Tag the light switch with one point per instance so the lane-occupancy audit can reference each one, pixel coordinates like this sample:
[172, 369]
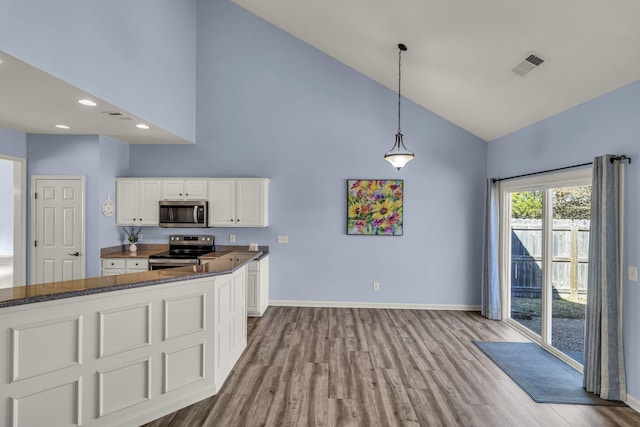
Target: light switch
[633, 273]
[283, 239]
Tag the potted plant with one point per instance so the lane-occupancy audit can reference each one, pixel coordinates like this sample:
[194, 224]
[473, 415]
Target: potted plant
[133, 237]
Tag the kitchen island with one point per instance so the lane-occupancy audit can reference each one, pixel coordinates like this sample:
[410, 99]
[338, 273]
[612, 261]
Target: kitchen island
[121, 350]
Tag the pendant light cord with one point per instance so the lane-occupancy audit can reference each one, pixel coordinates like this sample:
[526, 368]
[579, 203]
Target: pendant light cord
[399, 79]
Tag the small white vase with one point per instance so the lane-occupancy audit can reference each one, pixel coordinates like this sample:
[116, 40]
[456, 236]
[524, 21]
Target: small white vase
[133, 247]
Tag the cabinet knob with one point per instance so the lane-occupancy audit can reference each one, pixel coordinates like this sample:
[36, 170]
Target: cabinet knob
[186, 194]
[140, 219]
[180, 194]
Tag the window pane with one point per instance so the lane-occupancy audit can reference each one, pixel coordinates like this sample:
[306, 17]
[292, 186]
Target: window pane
[526, 259]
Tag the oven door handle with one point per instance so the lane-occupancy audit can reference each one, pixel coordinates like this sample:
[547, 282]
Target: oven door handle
[195, 214]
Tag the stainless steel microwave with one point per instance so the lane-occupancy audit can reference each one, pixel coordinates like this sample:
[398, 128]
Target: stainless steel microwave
[183, 213]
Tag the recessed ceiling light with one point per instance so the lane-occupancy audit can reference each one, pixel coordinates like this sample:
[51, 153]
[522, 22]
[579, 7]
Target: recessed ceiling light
[142, 126]
[87, 102]
[63, 127]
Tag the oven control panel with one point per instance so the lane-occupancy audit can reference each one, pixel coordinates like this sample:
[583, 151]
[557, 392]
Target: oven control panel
[190, 239]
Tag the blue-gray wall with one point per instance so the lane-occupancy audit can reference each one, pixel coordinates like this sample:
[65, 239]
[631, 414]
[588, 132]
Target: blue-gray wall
[271, 106]
[114, 162]
[13, 143]
[138, 55]
[608, 124]
[100, 160]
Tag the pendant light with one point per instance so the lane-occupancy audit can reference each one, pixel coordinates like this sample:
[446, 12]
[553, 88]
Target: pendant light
[399, 156]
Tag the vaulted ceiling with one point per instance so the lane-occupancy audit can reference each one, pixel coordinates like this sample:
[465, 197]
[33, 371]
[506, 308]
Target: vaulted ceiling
[461, 52]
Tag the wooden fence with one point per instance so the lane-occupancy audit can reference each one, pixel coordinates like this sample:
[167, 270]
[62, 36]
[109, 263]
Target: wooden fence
[569, 263]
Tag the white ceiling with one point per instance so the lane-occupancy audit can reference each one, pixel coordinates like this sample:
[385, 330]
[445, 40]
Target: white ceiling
[33, 101]
[460, 52]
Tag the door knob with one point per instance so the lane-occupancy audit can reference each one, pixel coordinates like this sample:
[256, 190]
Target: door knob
[75, 254]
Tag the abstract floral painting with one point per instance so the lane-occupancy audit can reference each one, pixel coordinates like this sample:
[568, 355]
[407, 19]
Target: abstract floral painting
[374, 206]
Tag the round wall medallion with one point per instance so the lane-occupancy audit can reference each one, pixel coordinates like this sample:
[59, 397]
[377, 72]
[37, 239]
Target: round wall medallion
[107, 207]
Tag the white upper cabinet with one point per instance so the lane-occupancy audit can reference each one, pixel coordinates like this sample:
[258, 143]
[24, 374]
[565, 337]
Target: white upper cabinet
[233, 202]
[184, 189]
[137, 201]
[221, 199]
[240, 202]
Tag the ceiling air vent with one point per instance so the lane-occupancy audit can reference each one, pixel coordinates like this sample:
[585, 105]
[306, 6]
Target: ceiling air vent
[528, 63]
[117, 115]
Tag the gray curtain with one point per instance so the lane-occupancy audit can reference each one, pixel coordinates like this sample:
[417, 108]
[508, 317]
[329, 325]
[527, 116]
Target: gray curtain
[604, 362]
[490, 307]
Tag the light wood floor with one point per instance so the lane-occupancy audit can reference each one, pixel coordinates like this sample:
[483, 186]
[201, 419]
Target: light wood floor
[375, 367]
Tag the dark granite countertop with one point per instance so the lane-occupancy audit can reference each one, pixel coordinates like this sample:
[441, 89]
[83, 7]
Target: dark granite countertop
[146, 250]
[223, 263]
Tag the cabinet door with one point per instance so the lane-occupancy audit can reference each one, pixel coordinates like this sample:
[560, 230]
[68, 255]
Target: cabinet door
[221, 197]
[172, 189]
[252, 292]
[127, 202]
[239, 310]
[195, 189]
[149, 196]
[250, 203]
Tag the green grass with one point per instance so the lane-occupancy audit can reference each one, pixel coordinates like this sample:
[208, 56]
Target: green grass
[562, 308]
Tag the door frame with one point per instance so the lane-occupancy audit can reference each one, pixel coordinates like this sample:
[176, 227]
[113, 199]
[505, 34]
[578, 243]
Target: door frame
[34, 209]
[539, 182]
[19, 218]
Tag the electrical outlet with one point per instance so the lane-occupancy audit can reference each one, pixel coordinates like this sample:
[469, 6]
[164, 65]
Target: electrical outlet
[283, 239]
[633, 273]
[376, 286]
[232, 238]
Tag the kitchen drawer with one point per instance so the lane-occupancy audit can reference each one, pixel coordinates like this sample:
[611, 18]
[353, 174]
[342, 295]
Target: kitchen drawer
[113, 263]
[137, 264]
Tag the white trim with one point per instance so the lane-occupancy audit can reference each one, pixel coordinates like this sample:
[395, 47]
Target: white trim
[543, 183]
[19, 218]
[20, 222]
[633, 402]
[384, 305]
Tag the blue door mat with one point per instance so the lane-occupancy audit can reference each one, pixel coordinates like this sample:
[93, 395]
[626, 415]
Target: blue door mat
[543, 376]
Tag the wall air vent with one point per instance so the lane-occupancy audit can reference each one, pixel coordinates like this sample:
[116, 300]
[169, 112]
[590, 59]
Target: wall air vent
[528, 63]
[117, 114]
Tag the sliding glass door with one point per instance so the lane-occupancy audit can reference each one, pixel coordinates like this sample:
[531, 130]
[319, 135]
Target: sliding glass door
[545, 229]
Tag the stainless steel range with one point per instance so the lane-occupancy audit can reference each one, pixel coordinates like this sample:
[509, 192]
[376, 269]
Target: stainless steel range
[183, 250]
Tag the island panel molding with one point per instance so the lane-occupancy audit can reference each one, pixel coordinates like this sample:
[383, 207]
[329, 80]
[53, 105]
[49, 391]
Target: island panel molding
[143, 363]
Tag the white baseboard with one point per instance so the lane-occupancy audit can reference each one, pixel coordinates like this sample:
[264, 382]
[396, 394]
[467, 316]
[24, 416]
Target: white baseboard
[633, 402]
[353, 304]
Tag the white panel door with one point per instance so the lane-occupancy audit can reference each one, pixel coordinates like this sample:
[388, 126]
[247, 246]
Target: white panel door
[59, 231]
[221, 196]
[249, 202]
[149, 195]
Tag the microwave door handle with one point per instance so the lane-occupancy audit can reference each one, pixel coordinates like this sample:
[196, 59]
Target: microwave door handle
[195, 214]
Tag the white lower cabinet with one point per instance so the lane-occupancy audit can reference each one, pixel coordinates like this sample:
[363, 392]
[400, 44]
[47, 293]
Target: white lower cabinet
[114, 266]
[258, 287]
[123, 357]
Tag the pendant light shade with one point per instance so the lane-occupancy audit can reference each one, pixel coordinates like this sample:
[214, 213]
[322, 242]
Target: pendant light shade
[399, 156]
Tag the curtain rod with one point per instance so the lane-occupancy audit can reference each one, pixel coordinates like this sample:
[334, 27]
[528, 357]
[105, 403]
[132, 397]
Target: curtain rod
[621, 158]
